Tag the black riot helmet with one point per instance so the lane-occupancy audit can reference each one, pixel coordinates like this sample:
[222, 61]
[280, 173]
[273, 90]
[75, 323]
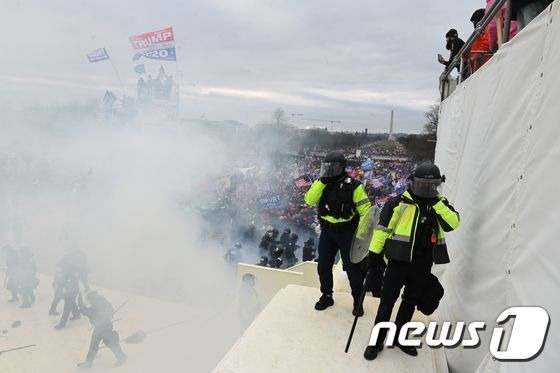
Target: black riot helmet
[426, 179]
[333, 165]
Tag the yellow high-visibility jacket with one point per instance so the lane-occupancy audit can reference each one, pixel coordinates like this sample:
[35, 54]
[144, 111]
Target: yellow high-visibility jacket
[395, 233]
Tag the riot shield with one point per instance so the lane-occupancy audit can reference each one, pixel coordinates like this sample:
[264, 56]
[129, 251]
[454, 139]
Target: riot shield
[364, 234]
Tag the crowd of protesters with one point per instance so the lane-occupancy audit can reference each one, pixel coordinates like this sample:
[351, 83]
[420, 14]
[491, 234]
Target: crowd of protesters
[258, 203]
[160, 87]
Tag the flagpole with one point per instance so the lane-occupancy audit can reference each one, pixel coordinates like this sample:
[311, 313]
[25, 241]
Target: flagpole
[118, 76]
[177, 113]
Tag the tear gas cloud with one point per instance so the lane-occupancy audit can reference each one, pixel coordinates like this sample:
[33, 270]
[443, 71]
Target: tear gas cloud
[113, 192]
[128, 194]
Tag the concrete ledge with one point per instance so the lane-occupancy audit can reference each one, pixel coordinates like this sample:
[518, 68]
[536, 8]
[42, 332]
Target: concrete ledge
[290, 336]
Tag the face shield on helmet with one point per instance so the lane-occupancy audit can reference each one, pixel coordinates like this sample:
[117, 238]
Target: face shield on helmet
[425, 188]
[330, 169]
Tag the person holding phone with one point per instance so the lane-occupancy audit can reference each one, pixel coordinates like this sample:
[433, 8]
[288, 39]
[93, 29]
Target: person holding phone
[454, 45]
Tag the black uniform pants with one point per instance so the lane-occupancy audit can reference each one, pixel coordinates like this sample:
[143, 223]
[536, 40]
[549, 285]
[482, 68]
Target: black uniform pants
[58, 296]
[70, 306]
[13, 286]
[83, 276]
[307, 254]
[111, 340]
[27, 295]
[413, 276]
[332, 240]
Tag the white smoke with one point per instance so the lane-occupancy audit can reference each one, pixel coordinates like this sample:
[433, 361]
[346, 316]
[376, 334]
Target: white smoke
[126, 193]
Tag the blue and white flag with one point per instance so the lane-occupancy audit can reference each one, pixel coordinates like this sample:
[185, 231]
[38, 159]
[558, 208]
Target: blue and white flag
[270, 201]
[140, 69]
[165, 54]
[98, 55]
[367, 165]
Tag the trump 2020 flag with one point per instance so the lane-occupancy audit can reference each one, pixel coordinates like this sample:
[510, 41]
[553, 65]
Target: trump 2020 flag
[157, 45]
[98, 55]
[140, 69]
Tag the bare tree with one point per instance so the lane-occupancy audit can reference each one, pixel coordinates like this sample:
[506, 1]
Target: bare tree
[279, 117]
[432, 117]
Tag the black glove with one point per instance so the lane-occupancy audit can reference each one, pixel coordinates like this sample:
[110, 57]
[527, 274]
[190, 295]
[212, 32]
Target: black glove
[375, 261]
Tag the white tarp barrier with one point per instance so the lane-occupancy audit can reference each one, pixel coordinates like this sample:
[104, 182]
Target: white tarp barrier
[499, 146]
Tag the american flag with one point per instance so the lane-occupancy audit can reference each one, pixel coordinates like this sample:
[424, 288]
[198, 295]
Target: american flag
[301, 182]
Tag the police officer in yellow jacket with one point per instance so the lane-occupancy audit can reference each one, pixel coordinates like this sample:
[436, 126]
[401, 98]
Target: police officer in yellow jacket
[410, 234]
[342, 202]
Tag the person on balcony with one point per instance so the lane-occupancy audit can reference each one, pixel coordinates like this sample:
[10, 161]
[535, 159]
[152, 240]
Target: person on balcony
[454, 45]
[480, 49]
[492, 28]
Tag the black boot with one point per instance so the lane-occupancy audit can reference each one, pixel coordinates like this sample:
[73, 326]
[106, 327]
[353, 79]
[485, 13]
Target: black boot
[371, 352]
[409, 350]
[324, 302]
[358, 309]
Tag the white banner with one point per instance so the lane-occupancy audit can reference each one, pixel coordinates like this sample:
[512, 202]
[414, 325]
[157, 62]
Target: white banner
[498, 145]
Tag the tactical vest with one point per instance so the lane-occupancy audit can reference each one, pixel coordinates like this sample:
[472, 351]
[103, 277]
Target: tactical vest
[404, 221]
[337, 199]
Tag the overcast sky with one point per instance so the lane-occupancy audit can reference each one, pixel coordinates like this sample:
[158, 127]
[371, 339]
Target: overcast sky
[350, 61]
